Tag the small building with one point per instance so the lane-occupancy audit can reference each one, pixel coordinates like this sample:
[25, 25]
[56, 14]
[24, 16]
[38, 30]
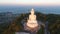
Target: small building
[21, 33]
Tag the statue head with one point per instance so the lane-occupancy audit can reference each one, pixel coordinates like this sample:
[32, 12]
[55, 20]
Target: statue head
[32, 11]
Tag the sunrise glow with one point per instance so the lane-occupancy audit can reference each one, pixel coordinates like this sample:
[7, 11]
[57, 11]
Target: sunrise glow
[31, 2]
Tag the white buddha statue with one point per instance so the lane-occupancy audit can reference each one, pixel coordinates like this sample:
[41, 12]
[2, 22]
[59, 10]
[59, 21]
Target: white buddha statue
[32, 22]
[32, 16]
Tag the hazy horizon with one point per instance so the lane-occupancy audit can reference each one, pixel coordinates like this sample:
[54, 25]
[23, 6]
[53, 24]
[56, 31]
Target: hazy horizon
[25, 9]
[43, 6]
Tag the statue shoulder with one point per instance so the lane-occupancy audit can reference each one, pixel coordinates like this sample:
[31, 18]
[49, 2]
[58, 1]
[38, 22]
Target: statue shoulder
[35, 15]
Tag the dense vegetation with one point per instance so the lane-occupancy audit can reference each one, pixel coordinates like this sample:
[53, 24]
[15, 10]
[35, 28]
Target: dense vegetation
[16, 25]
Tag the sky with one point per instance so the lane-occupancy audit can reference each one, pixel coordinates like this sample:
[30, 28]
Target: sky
[30, 2]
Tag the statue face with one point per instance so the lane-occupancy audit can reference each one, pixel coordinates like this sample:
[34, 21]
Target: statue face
[32, 12]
